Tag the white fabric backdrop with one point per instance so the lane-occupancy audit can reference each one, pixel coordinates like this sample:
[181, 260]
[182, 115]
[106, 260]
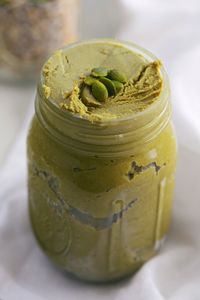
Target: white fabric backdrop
[171, 30]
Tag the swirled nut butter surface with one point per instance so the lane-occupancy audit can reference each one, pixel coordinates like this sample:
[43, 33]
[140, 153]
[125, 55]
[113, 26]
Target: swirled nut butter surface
[101, 159]
[65, 71]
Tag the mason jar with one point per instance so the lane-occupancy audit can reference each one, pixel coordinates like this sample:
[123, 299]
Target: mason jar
[100, 194]
[30, 30]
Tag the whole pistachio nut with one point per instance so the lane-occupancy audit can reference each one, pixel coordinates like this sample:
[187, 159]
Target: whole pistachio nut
[87, 97]
[99, 72]
[112, 91]
[99, 91]
[118, 85]
[114, 74]
[89, 80]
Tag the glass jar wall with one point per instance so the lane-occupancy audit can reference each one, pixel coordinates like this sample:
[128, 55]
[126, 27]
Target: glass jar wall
[100, 196]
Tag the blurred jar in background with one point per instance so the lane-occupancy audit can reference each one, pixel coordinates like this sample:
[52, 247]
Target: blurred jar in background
[31, 29]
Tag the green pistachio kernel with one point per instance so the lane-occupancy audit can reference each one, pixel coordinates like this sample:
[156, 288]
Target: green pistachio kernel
[99, 72]
[118, 76]
[87, 97]
[89, 80]
[99, 91]
[112, 91]
[118, 85]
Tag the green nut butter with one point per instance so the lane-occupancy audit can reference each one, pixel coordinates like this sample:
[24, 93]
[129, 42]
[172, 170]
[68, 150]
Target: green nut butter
[101, 173]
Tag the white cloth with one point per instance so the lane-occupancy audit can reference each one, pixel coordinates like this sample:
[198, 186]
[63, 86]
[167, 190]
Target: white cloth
[171, 30]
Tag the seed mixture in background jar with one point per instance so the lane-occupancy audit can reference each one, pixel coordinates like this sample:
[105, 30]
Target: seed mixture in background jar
[31, 29]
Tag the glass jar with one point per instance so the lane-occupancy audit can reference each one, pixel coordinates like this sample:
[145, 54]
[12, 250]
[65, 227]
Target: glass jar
[30, 30]
[100, 195]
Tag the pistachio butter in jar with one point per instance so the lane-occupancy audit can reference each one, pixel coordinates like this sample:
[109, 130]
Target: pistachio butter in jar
[101, 159]
[31, 29]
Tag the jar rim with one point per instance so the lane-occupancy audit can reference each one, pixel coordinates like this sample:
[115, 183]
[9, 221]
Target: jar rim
[137, 114]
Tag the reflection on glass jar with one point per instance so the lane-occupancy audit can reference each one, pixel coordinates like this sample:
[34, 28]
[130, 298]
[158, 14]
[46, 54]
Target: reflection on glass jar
[100, 194]
[31, 29]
